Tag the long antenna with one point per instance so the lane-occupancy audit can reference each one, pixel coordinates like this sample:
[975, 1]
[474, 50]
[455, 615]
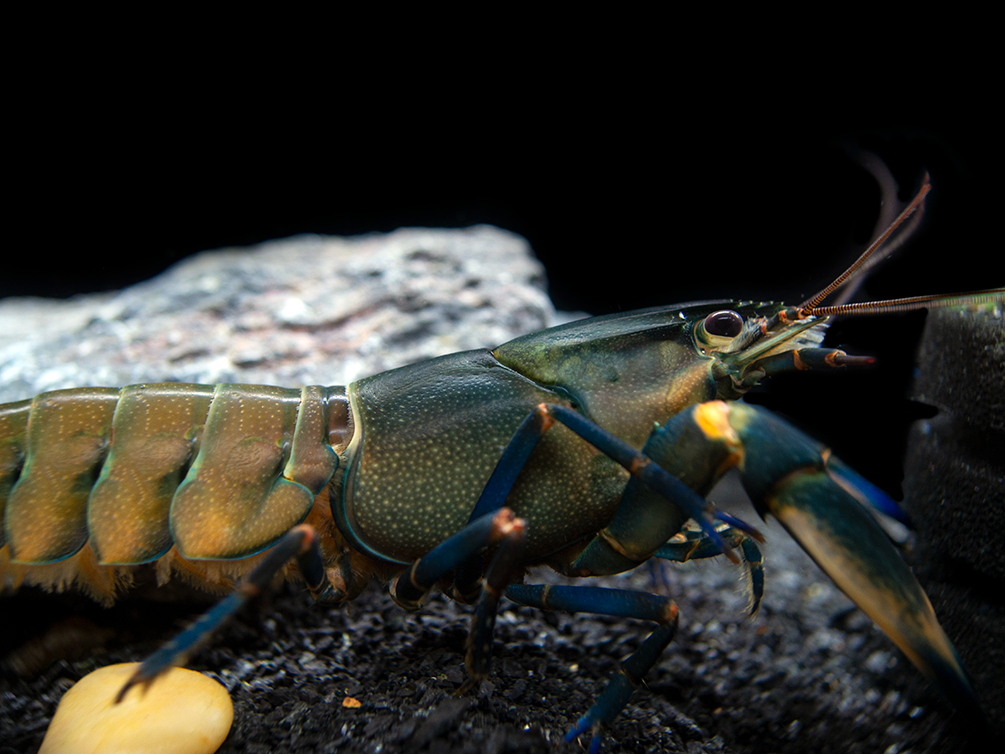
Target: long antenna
[914, 302]
[809, 306]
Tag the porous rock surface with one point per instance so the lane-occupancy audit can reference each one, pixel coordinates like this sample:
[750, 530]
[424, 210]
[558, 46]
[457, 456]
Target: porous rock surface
[955, 481]
[808, 673]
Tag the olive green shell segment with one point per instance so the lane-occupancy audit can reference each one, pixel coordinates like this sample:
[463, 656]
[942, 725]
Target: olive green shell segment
[312, 461]
[68, 433]
[235, 500]
[155, 431]
[428, 437]
[13, 436]
[625, 371]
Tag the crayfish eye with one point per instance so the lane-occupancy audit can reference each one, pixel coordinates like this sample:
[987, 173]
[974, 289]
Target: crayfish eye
[718, 331]
[724, 324]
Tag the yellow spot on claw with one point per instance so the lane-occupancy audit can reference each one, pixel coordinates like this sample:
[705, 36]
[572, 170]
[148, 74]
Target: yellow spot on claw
[182, 712]
[713, 419]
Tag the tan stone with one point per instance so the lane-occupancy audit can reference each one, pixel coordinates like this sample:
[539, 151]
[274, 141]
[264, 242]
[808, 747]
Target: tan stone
[182, 712]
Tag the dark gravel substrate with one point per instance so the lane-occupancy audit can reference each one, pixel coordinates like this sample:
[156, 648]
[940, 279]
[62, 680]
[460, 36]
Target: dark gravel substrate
[809, 673]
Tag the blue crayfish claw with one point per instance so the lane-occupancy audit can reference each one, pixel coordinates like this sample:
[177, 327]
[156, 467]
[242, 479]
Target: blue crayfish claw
[786, 474]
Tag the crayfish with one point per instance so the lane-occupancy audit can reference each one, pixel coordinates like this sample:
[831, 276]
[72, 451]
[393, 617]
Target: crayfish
[587, 447]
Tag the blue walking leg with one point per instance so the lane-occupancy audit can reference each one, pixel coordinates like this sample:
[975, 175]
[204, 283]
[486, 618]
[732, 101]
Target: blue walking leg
[615, 602]
[300, 542]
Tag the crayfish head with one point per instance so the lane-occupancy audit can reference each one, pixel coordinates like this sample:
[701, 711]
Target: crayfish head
[748, 342]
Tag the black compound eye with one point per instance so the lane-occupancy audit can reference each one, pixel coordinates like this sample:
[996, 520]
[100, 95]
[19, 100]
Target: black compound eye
[725, 323]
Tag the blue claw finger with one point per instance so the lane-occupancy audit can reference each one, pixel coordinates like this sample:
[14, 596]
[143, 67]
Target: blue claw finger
[827, 520]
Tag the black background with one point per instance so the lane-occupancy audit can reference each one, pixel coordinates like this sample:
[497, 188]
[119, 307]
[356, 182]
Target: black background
[636, 185]
[622, 219]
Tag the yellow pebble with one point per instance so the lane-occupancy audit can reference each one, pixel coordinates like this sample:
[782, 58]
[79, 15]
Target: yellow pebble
[182, 712]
